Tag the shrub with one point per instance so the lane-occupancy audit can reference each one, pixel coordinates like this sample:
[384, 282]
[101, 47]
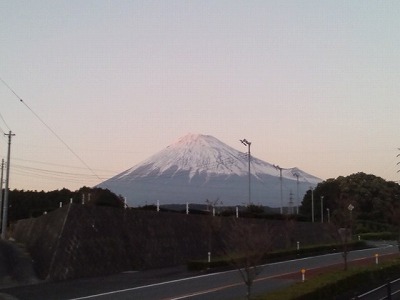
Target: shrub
[198, 265]
[377, 236]
[345, 284]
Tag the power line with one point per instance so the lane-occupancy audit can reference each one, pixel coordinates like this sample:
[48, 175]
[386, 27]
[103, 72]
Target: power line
[61, 140]
[5, 83]
[5, 123]
[56, 176]
[60, 165]
[50, 177]
[50, 129]
[56, 173]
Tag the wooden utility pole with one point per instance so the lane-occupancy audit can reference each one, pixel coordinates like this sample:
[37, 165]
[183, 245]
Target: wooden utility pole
[5, 204]
[1, 189]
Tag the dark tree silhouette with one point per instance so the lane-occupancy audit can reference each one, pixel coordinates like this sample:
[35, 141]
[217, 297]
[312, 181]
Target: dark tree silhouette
[28, 204]
[246, 244]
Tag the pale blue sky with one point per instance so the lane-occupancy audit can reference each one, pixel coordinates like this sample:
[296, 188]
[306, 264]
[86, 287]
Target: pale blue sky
[312, 84]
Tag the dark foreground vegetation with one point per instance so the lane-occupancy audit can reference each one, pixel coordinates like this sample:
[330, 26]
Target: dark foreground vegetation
[361, 206]
[274, 256]
[375, 202]
[31, 204]
[339, 284]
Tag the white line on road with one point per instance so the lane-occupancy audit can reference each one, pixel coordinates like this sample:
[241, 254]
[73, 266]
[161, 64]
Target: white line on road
[147, 286]
[205, 275]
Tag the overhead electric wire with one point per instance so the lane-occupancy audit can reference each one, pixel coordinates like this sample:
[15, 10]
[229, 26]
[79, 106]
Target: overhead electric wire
[5, 83]
[59, 165]
[38, 173]
[3, 134]
[51, 130]
[51, 177]
[4, 121]
[209, 166]
[56, 173]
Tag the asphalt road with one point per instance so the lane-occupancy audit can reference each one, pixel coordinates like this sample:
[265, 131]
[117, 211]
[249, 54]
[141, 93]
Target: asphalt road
[177, 283]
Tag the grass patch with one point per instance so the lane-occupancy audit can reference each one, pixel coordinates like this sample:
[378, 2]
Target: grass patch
[224, 262]
[380, 236]
[345, 284]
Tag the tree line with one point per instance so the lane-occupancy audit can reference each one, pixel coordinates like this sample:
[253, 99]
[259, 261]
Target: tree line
[373, 202]
[27, 204]
[376, 202]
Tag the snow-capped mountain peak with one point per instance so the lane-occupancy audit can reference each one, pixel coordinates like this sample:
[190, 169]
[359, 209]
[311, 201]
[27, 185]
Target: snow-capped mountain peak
[202, 164]
[195, 153]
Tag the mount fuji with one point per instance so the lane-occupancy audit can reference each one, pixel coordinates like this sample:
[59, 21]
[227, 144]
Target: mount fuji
[199, 168]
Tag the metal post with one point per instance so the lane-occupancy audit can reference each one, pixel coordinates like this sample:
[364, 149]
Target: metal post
[350, 208]
[249, 175]
[389, 291]
[297, 196]
[248, 144]
[322, 209]
[303, 275]
[312, 205]
[280, 178]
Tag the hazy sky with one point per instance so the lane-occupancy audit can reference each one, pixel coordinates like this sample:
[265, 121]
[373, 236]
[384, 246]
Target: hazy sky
[312, 84]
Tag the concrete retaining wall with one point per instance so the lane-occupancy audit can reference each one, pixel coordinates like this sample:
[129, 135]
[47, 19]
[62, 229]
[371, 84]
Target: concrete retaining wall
[86, 241]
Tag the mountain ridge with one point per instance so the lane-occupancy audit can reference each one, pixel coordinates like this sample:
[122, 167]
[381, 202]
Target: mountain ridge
[197, 167]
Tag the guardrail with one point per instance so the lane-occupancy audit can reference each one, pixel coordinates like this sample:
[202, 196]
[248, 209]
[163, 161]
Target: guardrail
[385, 291]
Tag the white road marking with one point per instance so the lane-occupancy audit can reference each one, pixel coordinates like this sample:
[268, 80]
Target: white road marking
[212, 274]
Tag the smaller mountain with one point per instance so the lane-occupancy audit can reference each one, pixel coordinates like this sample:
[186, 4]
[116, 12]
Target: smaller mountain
[198, 167]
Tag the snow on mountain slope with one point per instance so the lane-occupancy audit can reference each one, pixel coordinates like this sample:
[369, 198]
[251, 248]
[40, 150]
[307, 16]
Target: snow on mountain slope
[194, 153]
[198, 167]
[204, 153]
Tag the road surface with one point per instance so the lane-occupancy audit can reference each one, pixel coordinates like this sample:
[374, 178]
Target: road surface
[177, 283]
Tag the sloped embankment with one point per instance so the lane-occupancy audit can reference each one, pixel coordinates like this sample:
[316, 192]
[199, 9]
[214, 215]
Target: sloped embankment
[86, 241]
[15, 265]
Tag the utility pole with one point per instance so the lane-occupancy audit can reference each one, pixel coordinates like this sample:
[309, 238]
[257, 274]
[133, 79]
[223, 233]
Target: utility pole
[297, 196]
[5, 204]
[1, 189]
[291, 203]
[322, 209]
[312, 204]
[280, 179]
[248, 144]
